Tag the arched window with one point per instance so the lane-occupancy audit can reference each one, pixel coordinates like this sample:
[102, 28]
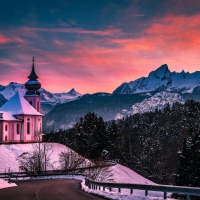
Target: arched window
[6, 127]
[40, 128]
[38, 106]
[6, 138]
[28, 125]
[17, 128]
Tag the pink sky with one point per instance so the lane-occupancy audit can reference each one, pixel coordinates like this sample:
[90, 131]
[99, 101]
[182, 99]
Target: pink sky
[100, 60]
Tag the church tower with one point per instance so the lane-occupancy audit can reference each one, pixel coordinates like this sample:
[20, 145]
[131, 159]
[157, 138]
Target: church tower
[33, 85]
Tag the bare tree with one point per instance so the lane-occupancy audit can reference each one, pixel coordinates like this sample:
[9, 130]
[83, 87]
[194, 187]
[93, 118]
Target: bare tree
[101, 172]
[70, 160]
[38, 159]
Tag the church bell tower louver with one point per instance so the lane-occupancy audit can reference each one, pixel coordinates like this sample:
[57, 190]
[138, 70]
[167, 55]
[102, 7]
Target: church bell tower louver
[33, 85]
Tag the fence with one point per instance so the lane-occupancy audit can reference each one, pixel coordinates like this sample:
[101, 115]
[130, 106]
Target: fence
[161, 188]
[80, 170]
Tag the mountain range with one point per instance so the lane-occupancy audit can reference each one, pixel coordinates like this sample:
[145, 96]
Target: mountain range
[48, 100]
[142, 95]
[162, 80]
[63, 110]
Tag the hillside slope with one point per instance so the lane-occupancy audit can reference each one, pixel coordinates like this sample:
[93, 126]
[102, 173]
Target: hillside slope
[105, 105]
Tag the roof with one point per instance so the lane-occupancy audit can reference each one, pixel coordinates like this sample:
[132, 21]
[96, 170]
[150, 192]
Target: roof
[17, 105]
[7, 116]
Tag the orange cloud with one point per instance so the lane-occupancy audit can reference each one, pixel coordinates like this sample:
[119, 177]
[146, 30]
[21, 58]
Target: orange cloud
[70, 30]
[3, 39]
[10, 39]
[94, 64]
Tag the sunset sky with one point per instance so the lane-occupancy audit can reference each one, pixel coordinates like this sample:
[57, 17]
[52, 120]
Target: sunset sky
[95, 45]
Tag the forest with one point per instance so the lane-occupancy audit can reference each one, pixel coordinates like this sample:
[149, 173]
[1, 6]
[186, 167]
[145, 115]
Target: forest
[163, 146]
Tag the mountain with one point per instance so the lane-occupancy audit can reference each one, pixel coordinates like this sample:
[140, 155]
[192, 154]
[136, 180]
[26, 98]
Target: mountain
[157, 101]
[142, 95]
[71, 95]
[2, 100]
[63, 110]
[48, 99]
[162, 79]
[65, 115]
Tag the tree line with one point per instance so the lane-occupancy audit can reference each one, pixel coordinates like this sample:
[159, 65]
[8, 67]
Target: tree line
[163, 146]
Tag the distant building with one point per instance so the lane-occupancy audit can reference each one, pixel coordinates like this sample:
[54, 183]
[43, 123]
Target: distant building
[20, 117]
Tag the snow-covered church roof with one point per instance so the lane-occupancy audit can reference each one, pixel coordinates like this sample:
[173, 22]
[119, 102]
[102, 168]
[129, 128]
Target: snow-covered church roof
[17, 105]
[7, 116]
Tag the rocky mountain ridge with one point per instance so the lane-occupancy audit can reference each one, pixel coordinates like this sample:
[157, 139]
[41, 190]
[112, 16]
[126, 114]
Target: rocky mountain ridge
[162, 79]
[48, 99]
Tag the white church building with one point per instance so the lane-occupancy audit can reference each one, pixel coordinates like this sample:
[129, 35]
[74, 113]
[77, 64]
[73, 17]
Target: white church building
[20, 117]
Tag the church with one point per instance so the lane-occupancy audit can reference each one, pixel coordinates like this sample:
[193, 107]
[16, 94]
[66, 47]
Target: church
[20, 117]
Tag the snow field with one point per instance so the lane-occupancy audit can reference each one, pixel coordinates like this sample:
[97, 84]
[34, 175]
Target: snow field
[5, 184]
[121, 174]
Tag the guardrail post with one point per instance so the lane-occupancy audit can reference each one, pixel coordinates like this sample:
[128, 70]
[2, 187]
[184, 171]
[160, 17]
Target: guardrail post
[146, 192]
[99, 187]
[119, 190]
[131, 191]
[165, 195]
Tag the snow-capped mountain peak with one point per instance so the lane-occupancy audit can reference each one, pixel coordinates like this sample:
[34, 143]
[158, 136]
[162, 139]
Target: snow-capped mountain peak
[157, 101]
[162, 79]
[73, 92]
[47, 97]
[161, 73]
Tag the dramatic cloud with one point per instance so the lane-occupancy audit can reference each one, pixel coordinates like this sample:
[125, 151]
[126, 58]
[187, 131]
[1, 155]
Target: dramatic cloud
[93, 47]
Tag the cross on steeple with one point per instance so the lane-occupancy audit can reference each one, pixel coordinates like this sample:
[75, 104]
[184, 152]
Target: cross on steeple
[33, 75]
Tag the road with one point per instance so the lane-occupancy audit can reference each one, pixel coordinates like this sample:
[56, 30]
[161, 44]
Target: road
[54, 189]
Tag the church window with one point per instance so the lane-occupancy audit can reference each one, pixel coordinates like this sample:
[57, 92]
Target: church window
[31, 102]
[28, 125]
[6, 127]
[38, 106]
[6, 138]
[17, 128]
[40, 128]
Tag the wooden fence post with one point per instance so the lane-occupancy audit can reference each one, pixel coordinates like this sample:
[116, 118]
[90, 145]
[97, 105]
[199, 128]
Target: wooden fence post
[131, 191]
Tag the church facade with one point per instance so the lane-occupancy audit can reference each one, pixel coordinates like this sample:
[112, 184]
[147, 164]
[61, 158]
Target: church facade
[20, 117]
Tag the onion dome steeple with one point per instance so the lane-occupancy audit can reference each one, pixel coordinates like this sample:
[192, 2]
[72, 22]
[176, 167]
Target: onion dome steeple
[33, 75]
[33, 85]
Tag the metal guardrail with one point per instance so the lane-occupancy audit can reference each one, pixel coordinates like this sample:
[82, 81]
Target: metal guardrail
[161, 188]
[98, 164]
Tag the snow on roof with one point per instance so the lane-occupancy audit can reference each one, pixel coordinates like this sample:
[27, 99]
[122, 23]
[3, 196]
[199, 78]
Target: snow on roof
[7, 116]
[18, 105]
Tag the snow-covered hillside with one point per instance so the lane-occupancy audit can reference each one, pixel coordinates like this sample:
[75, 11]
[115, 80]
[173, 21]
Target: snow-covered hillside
[121, 174]
[157, 101]
[162, 79]
[9, 154]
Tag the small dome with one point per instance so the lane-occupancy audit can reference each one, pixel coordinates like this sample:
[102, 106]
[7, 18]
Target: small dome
[33, 85]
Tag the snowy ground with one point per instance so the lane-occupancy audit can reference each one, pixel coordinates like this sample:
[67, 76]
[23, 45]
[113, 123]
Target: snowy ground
[121, 174]
[5, 184]
[9, 154]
